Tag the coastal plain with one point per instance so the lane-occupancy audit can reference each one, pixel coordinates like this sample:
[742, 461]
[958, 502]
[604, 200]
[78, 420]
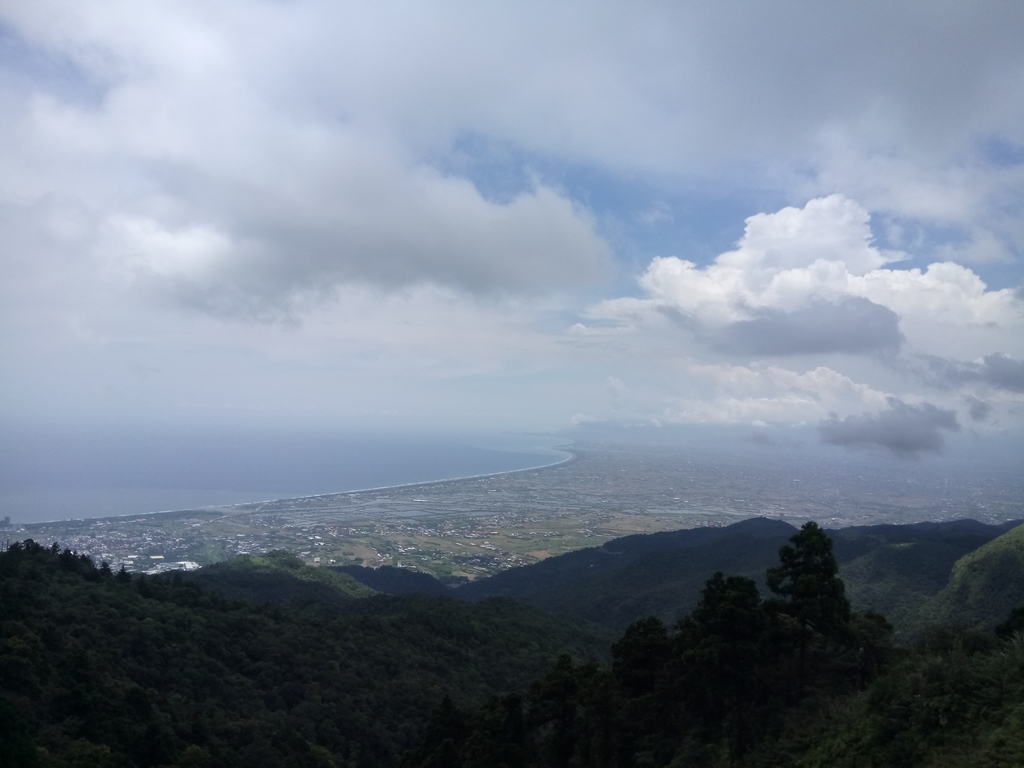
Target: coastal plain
[465, 529]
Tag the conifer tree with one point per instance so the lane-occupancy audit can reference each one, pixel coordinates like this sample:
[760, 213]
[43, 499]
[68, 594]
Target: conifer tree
[813, 594]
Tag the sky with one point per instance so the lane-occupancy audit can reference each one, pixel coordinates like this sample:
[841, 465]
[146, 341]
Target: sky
[521, 216]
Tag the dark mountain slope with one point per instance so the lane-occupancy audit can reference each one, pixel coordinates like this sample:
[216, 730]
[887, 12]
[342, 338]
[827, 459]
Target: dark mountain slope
[799, 680]
[895, 569]
[664, 583]
[658, 574]
[114, 670]
[395, 581]
[278, 577]
[954, 536]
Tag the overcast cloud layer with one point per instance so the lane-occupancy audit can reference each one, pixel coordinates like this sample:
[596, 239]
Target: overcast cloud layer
[514, 216]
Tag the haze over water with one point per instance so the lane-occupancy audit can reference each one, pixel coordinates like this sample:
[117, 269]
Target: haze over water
[51, 477]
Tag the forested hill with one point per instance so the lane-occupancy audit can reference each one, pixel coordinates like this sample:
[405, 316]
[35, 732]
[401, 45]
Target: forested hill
[278, 577]
[620, 553]
[797, 680]
[905, 571]
[982, 586]
[658, 574]
[105, 670]
[894, 569]
[394, 581]
[111, 670]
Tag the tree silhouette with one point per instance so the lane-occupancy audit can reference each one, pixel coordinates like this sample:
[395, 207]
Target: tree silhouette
[725, 654]
[813, 594]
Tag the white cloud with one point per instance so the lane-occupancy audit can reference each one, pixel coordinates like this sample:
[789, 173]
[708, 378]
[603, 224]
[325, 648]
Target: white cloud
[983, 247]
[308, 133]
[194, 162]
[295, 160]
[782, 260]
[392, 232]
[741, 394]
[970, 197]
[823, 384]
[829, 229]
[823, 252]
[143, 244]
[947, 309]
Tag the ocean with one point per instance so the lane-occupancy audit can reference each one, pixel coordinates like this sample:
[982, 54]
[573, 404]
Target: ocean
[69, 475]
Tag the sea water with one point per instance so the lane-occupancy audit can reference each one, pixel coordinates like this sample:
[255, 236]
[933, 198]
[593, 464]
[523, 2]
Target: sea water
[61, 476]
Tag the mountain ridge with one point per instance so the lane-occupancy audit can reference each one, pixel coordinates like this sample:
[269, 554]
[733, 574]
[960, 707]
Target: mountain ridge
[984, 585]
[890, 568]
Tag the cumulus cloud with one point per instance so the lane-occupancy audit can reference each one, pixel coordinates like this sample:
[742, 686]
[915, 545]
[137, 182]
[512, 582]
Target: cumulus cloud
[783, 261]
[736, 394]
[853, 325]
[906, 430]
[912, 190]
[810, 280]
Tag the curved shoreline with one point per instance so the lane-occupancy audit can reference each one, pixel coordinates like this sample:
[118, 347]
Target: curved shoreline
[228, 509]
[573, 456]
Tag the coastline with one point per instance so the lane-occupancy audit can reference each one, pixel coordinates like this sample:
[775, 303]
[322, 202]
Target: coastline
[237, 508]
[573, 456]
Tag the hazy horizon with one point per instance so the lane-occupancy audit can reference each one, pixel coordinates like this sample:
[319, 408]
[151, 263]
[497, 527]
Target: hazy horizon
[83, 474]
[57, 477]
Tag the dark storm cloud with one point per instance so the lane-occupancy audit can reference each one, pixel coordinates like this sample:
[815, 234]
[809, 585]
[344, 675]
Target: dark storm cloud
[998, 370]
[940, 372]
[1004, 372]
[760, 438]
[904, 429]
[854, 325]
[978, 409]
